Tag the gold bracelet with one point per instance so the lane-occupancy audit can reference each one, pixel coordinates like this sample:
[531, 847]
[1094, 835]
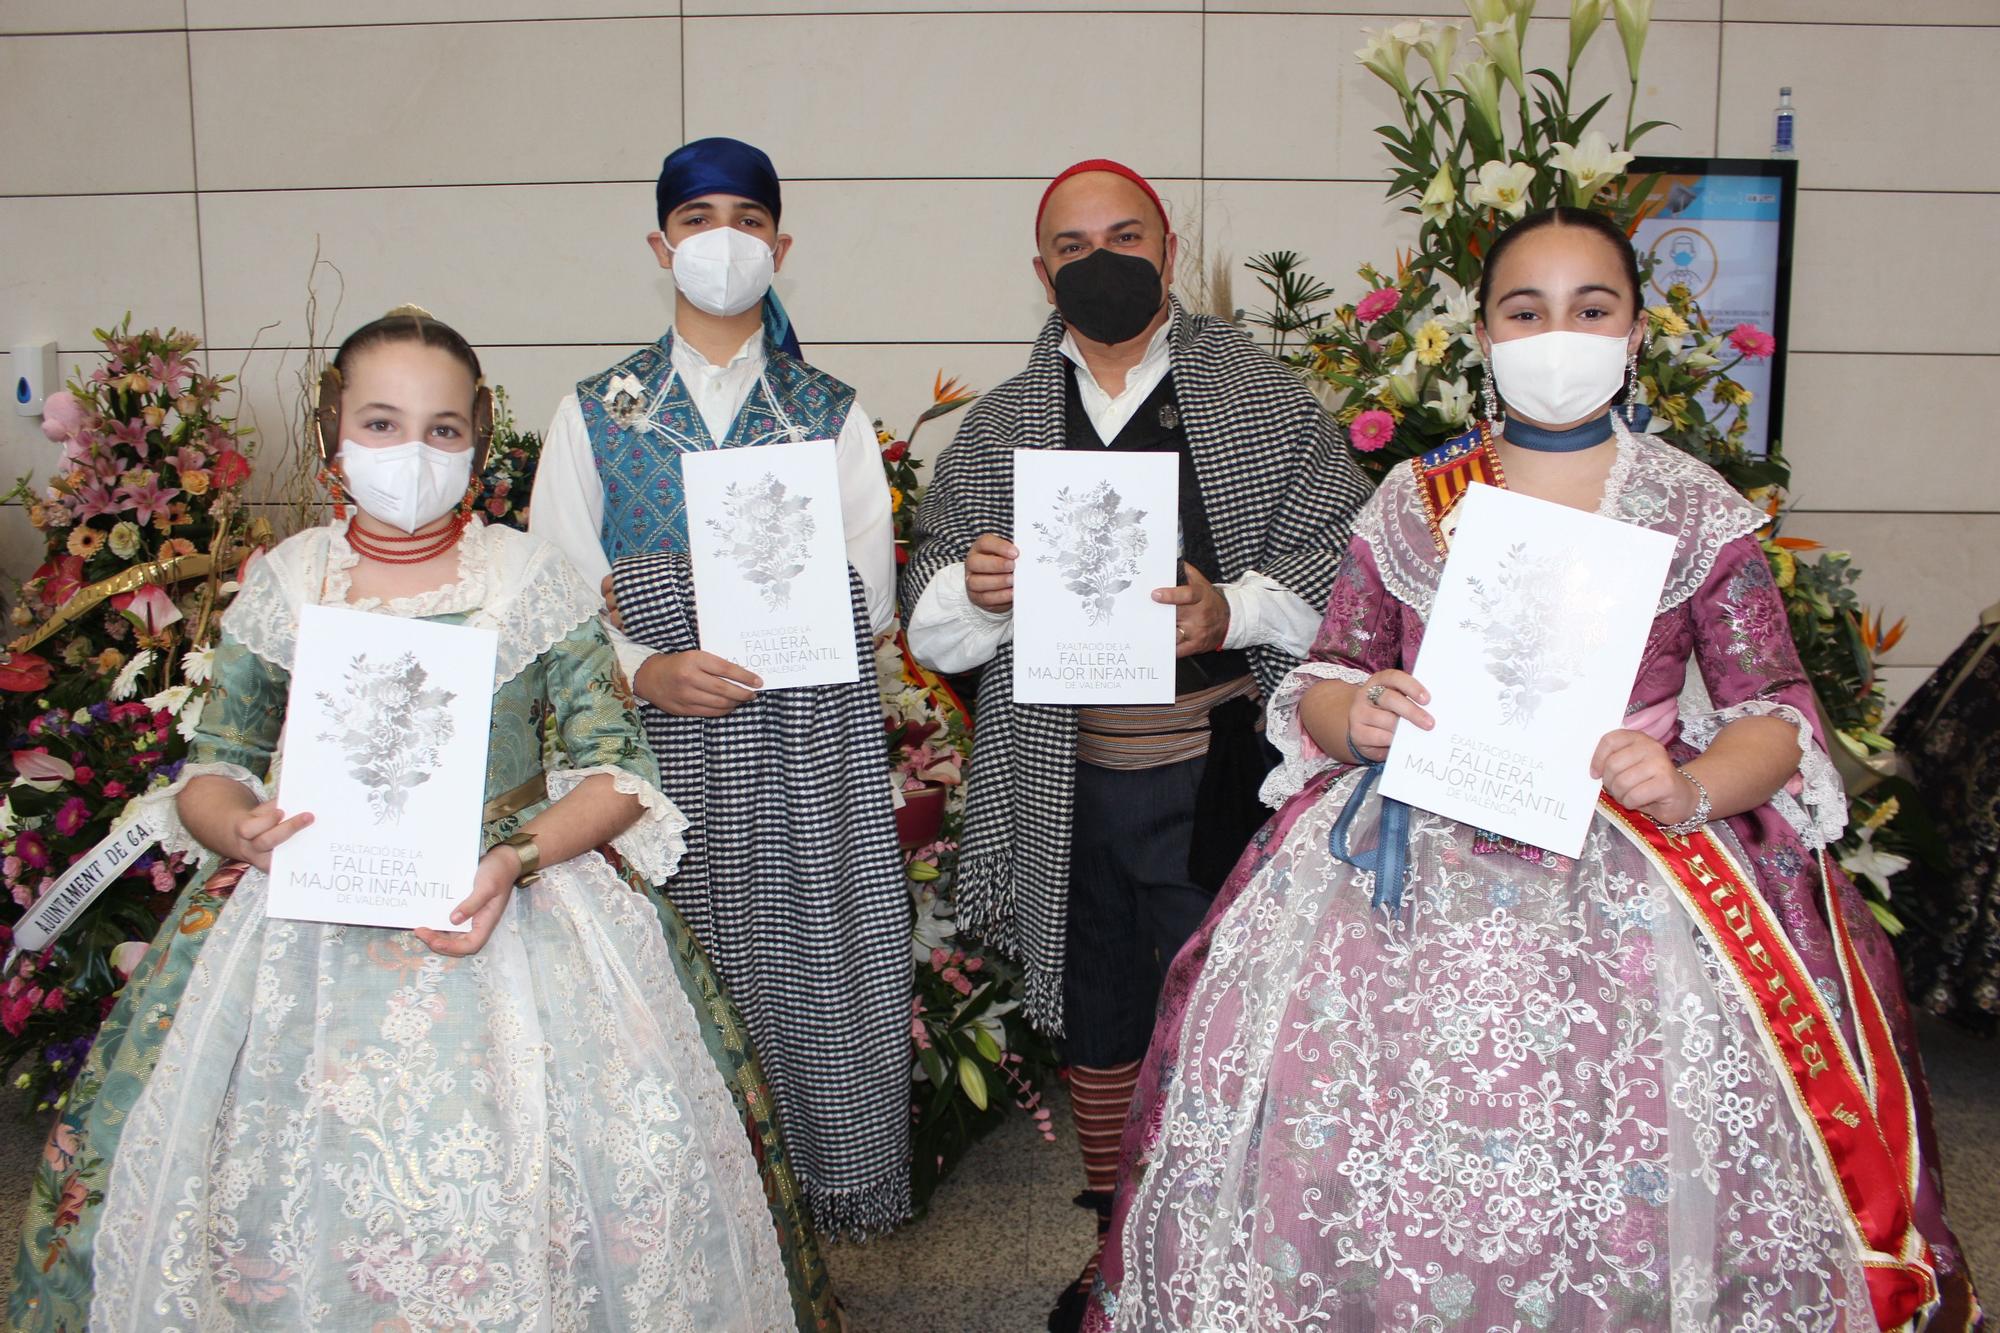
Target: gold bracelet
[523, 843]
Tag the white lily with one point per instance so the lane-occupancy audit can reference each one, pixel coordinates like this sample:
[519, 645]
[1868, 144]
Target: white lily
[1404, 379]
[1502, 46]
[1459, 311]
[1385, 56]
[1521, 11]
[1633, 18]
[989, 1021]
[931, 931]
[1438, 44]
[1873, 864]
[1585, 17]
[1481, 81]
[1502, 187]
[1702, 356]
[1590, 165]
[1440, 198]
[127, 679]
[1453, 403]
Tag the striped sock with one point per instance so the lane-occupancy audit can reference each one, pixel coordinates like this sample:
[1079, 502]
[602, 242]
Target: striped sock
[1099, 1098]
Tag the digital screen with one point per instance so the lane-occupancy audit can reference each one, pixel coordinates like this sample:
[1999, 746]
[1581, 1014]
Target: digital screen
[1726, 238]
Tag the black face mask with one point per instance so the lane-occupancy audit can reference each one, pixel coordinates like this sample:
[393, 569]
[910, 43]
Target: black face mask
[1107, 296]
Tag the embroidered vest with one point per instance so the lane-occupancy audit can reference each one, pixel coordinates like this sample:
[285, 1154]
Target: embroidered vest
[641, 419]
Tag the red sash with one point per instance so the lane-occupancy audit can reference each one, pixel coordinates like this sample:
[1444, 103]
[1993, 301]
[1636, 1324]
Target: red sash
[1865, 1119]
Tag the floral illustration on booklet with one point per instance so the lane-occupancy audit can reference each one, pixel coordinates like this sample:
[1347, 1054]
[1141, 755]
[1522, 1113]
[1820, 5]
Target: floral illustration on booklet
[768, 534]
[1532, 648]
[391, 727]
[1096, 544]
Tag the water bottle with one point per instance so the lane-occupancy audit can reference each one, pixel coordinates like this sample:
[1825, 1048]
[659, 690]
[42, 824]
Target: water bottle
[1783, 142]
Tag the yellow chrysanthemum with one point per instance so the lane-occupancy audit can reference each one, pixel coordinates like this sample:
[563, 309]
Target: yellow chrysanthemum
[1731, 394]
[1665, 320]
[895, 499]
[1432, 343]
[1347, 414]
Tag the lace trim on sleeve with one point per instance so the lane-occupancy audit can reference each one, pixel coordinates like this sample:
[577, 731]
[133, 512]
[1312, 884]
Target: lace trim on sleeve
[161, 808]
[1814, 803]
[264, 614]
[1303, 760]
[653, 846]
[543, 604]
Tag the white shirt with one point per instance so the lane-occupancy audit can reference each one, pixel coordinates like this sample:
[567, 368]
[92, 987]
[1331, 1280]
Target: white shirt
[567, 507]
[948, 633]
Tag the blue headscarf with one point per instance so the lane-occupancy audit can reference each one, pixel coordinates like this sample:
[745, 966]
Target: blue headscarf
[728, 166]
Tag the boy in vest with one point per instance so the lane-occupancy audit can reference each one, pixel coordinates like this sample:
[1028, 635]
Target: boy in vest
[792, 879]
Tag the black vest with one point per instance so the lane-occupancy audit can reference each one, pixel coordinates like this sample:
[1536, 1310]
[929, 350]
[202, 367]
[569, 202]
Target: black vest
[1156, 428]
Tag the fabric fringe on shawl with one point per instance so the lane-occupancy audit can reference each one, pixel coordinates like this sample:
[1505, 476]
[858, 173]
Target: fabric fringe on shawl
[793, 882]
[1281, 489]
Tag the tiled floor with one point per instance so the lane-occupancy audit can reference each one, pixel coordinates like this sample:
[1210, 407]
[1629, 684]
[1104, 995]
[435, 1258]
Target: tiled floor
[1002, 1237]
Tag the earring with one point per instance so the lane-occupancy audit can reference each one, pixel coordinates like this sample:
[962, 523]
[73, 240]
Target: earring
[1490, 401]
[336, 494]
[472, 493]
[1631, 386]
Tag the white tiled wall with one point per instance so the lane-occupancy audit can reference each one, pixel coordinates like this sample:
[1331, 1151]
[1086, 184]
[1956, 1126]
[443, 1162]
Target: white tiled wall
[184, 159]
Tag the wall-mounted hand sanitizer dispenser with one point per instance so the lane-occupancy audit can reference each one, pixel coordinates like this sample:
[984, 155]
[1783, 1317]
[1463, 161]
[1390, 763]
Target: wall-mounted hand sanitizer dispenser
[34, 376]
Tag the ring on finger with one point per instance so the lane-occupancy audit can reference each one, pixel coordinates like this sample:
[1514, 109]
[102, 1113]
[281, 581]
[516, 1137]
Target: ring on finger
[1374, 695]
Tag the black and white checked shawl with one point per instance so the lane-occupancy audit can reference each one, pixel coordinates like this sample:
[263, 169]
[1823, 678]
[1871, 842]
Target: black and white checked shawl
[793, 882]
[1281, 490]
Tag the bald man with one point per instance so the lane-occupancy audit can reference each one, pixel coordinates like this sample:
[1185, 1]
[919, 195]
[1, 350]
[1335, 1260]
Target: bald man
[1095, 838]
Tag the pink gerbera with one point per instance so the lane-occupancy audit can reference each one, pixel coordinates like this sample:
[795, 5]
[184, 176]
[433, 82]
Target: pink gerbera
[1377, 304]
[1752, 342]
[1371, 430]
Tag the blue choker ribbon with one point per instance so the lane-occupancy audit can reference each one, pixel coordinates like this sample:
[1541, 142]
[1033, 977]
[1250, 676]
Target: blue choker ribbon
[1576, 438]
[1390, 861]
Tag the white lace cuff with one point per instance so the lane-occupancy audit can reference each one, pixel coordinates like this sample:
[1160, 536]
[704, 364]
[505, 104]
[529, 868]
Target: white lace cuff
[652, 846]
[1814, 803]
[1303, 760]
[162, 808]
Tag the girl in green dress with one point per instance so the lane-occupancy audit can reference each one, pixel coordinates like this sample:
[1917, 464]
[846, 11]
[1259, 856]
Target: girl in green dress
[537, 1123]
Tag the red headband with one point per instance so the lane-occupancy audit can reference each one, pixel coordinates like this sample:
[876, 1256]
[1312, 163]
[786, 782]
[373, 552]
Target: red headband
[1101, 164]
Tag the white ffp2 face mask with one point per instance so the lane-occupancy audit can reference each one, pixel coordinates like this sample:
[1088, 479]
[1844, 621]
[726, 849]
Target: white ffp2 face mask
[723, 270]
[405, 485]
[1559, 378]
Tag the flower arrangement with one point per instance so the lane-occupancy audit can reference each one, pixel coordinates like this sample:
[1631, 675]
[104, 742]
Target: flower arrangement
[76, 769]
[148, 500]
[973, 1056]
[508, 480]
[947, 396]
[143, 522]
[1400, 364]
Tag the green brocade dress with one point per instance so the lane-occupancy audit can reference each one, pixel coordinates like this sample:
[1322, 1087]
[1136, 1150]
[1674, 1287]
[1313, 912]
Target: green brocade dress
[568, 694]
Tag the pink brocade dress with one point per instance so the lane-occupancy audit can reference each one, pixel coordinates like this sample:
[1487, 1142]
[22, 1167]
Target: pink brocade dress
[1535, 1099]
